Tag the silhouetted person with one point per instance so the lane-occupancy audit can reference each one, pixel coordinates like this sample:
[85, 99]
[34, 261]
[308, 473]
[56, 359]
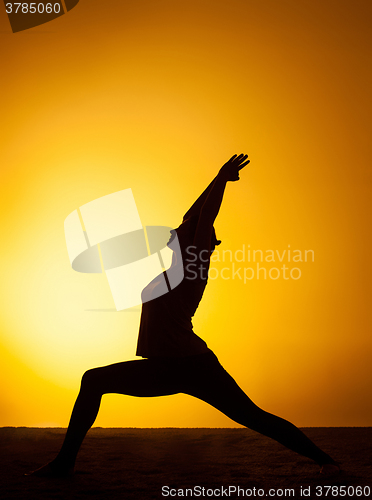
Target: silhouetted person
[176, 359]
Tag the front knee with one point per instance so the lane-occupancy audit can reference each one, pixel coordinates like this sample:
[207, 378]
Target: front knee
[89, 379]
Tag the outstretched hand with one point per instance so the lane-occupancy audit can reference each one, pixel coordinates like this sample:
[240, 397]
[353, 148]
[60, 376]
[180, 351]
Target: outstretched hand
[230, 171]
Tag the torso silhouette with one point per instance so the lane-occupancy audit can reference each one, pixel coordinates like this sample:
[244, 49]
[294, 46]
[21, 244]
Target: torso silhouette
[166, 322]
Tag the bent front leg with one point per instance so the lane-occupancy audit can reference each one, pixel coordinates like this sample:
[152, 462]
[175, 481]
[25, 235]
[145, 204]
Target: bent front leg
[143, 378]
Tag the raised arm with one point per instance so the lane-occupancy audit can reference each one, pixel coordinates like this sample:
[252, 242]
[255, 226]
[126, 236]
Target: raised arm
[195, 209]
[212, 204]
[197, 206]
[228, 172]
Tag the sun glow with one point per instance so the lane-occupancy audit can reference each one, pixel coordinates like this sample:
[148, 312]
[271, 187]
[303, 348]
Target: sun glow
[156, 104]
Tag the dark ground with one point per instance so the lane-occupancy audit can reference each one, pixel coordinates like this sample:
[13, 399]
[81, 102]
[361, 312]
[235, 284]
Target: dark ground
[136, 463]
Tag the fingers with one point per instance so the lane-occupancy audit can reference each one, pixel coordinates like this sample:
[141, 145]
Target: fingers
[242, 158]
[244, 164]
[238, 158]
[236, 163]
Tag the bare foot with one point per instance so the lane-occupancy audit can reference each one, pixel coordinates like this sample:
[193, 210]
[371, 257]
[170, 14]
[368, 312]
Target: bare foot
[330, 469]
[51, 470]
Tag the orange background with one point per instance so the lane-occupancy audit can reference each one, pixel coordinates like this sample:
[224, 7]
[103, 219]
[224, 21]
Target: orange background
[155, 96]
